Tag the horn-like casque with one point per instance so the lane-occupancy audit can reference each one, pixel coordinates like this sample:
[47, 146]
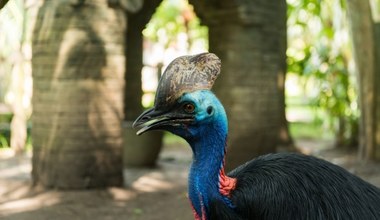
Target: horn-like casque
[186, 74]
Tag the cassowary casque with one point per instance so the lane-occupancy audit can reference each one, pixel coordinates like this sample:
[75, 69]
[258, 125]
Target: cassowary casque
[274, 186]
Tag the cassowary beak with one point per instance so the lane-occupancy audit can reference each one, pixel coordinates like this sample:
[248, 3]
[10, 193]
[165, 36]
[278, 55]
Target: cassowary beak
[152, 119]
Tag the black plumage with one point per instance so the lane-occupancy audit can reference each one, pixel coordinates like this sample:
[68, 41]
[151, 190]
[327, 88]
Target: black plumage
[294, 186]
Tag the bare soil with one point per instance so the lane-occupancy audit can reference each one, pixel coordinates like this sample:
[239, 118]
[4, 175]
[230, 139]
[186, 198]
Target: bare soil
[150, 194]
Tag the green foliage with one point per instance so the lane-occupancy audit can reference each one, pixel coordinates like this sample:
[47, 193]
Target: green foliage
[171, 18]
[4, 141]
[313, 130]
[5, 133]
[320, 54]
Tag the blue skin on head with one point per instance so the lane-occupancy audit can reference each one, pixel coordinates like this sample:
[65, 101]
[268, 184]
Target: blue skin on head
[208, 112]
[207, 137]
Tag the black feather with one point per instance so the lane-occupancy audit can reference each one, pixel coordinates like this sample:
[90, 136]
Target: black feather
[295, 186]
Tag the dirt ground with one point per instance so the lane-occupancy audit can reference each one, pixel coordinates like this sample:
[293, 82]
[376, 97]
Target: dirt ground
[149, 194]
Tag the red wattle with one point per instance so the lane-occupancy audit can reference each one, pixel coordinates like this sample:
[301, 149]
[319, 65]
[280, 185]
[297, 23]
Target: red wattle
[226, 183]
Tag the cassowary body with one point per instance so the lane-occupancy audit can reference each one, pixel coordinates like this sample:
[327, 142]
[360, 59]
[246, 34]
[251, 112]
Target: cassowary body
[274, 186]
[295, 186]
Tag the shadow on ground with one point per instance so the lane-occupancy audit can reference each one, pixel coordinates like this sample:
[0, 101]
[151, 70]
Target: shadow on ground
[158, 193]
[151, 194]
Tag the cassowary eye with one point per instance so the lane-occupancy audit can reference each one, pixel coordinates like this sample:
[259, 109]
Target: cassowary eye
[210, 110]
[188, 108]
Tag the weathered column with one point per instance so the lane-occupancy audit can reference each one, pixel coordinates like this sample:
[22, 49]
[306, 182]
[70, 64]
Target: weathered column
[365, 35]
[78, 68]
[250, 39]
[138, 151]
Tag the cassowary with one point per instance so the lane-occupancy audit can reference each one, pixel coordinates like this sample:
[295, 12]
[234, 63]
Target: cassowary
[274, 186]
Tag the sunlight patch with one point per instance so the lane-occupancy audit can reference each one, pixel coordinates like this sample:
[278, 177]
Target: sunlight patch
[29, 204]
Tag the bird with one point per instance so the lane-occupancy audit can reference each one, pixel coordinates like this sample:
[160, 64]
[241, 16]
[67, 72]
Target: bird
[273, 186]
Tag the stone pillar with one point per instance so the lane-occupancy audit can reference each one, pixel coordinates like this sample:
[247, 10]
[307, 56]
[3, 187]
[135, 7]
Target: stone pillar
[249, 38]
[138, 151]
[78, 71]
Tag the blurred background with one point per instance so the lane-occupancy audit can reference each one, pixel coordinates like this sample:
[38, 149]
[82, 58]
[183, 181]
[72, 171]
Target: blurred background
[297, 75]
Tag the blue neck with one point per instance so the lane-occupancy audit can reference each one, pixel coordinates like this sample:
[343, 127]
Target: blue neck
[208, 160]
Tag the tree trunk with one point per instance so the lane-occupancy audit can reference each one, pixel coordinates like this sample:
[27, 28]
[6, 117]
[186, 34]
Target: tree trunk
[249, 38]
[138, 151]
[20, 76]
[377, 83]
[376, 17]
[365, 43]
[134, 52]
[78, 68]
[285, 140]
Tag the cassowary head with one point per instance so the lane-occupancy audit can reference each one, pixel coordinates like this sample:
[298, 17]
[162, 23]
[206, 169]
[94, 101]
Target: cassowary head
[183, 104]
